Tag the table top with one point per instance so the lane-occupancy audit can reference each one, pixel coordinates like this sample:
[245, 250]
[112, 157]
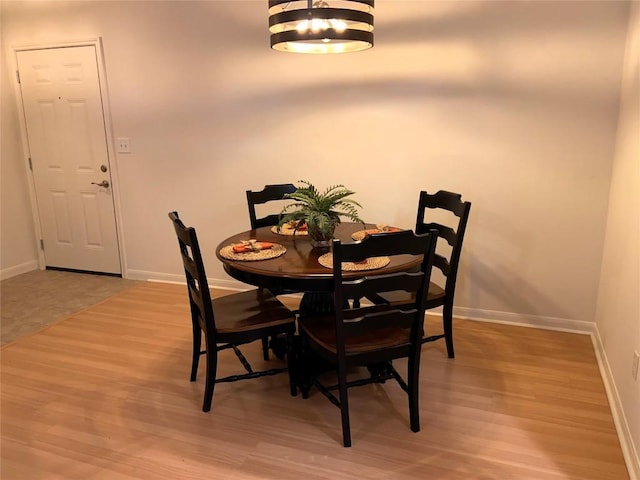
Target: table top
[298, 268]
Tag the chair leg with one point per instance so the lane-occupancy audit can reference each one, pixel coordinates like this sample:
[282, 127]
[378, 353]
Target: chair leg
[413, 376]
[265, 348]
[447, 324]
[303, 367]
[344, 405]
[197, 345]
[212, 366]
[291, 365]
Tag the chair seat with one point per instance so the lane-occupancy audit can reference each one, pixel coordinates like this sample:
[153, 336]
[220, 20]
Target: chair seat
[322, 331]
[435, 297]
[253, 310]
[436, 294]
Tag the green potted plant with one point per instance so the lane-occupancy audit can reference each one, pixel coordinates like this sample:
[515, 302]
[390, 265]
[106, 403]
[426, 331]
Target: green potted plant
[319, 212]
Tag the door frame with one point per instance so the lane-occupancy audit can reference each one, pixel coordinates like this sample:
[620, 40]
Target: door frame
[110, 143]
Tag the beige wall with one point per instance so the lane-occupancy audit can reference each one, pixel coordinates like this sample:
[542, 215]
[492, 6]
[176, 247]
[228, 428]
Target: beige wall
[513, 104]
[17, 240]
[618, 312]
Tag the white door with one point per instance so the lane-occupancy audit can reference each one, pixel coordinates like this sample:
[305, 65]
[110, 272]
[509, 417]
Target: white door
[68, 148]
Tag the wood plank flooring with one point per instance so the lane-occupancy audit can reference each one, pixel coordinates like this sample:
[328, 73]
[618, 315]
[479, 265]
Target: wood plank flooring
[105, 394]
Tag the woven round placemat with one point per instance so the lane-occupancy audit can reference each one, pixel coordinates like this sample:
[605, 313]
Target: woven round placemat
[360, 234]
[273, 252]
[372, 263]
[286, 229]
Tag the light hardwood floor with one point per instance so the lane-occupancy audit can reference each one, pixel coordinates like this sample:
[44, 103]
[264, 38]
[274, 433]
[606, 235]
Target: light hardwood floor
[105, 394]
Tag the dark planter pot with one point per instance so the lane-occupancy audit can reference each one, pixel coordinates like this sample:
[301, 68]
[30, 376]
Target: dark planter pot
[319, 239]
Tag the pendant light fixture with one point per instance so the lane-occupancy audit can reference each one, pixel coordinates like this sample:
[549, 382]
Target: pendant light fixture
[315, 26]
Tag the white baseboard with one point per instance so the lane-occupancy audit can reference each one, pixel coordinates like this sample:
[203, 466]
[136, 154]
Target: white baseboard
[524, 320]
[6, 273]
[154, 276]
[173, 278]
[629, 450]
[517, 319]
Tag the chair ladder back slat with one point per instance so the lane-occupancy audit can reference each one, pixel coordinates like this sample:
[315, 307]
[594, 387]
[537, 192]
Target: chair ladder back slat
[377, 320]
[442, 200]
[407, 281]
[442, 264]
[195, 295]
[444, 231]
[190, 266]
[267, 194]
[382, 244]
[268, 221]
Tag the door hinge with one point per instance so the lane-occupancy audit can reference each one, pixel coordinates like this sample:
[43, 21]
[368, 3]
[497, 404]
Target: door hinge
[30, 164]
[18, 75]
[41, 244]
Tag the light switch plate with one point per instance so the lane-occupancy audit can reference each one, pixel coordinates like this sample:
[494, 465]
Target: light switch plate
[123, 145]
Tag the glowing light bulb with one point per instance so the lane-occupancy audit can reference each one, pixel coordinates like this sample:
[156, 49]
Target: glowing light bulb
[338, 25]
[303, 26]
[318, 24]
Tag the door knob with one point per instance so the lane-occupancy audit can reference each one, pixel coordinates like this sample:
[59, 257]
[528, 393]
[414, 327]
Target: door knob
[103, 183]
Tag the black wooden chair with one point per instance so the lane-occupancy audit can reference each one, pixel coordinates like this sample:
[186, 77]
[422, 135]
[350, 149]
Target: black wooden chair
[440, 293]
[229, 321]
[270, 193]
[372, 334]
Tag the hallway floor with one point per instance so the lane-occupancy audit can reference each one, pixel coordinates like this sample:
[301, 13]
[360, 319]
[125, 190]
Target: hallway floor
[35, 299]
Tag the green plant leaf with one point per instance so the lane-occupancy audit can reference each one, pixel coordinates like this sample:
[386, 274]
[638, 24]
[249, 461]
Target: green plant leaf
[320, 211]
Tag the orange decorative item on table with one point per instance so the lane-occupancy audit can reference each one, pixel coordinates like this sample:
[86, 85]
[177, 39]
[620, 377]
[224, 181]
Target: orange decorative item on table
[296, 226]
[251, 246]
[383, 229]
[380, 228]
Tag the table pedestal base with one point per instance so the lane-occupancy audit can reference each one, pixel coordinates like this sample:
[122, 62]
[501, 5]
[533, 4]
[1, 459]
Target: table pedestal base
[316, 303]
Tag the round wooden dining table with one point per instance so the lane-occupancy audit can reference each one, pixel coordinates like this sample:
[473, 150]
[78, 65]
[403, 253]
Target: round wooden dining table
[298, 269]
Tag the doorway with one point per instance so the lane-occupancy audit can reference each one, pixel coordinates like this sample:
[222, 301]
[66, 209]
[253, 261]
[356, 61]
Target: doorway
[67, 140]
